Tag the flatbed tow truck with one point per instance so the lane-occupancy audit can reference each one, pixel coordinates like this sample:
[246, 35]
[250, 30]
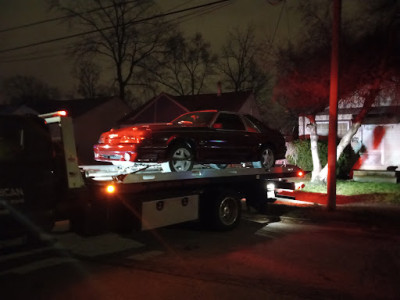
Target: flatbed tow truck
[39, 188]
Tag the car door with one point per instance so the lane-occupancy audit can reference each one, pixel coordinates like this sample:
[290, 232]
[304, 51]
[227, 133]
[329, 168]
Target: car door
[229, 140]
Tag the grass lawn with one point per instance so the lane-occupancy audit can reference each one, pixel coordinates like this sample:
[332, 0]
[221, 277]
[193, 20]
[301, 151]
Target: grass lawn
[381, 192]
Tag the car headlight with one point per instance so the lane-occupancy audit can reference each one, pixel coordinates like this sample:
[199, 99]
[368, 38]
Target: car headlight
[131, 139]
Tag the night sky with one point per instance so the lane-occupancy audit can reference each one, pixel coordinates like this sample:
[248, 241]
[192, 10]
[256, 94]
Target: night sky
[49, 64]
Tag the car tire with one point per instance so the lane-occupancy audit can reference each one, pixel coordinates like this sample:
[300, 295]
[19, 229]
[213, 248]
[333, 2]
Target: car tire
[219, 166]
[180, 159]
[266, 160]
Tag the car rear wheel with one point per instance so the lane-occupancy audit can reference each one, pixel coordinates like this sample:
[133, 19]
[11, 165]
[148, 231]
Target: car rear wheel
[180, 159]
[267, 159]
[219, 166]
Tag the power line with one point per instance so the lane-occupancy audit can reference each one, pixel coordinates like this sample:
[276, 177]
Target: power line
[31, 58]
[191, 15]
[54, 19]
[111, 27]
[288, 24]
[279, 19]
[49, 53]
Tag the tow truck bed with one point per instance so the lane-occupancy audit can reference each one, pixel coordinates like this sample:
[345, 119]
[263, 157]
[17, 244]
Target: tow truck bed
[155, 199]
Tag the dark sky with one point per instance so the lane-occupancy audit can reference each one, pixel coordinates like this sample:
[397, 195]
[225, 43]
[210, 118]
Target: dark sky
[48, 62]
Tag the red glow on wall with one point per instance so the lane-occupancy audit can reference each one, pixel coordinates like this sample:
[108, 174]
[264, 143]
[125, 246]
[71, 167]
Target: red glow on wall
[379, 133]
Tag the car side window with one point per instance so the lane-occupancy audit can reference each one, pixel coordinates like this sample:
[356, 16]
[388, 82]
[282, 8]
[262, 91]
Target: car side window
[229, 122]
[256, 123]
[250, 126]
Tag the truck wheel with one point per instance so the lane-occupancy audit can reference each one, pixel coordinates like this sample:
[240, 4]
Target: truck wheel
[180, 159]
[267, 159]
[38, 232]
[221, 211]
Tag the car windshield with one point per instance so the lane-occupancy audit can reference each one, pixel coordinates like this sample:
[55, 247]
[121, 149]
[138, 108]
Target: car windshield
[197, 119]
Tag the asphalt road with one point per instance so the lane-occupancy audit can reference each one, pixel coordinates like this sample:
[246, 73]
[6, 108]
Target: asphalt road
[264, 258]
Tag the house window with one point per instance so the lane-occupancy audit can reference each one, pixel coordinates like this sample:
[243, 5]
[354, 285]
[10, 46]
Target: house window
[323, 128]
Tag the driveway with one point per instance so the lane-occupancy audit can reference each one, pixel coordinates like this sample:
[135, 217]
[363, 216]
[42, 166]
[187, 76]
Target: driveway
[269, 256]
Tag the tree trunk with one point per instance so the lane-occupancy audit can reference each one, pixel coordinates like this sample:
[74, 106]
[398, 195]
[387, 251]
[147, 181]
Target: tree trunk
[314, 148]
[345, 140]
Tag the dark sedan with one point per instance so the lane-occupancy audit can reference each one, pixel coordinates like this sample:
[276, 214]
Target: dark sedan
[203, 137]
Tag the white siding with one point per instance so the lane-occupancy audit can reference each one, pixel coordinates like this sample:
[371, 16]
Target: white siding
[381, 142]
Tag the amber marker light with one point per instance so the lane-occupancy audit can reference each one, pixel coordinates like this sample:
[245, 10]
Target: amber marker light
[300, 173]
[110, 189]
[62, 113]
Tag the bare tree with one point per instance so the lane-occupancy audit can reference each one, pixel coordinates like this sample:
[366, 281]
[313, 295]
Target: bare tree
[303, 87]
[368, 65]
[125, 34]
[238, 62]
[185, 64]
[88, 75]
[21, 89]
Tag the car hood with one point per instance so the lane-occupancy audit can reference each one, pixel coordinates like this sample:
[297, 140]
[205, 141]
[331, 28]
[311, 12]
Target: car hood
[146, 126]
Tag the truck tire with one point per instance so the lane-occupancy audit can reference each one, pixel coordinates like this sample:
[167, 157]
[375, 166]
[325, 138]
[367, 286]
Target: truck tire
[221, 210]
[88, 221]
[39, 226]
[86, 217]
[180, 159]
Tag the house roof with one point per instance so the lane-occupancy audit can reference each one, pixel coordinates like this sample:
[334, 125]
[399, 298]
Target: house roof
[75, 108]
[226, 101]
[389, 110]
[232, 101]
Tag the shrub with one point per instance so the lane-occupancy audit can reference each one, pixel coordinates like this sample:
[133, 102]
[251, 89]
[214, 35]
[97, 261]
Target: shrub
[346, 162]
[299, 153]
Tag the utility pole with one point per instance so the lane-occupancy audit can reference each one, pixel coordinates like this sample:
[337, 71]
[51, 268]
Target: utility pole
[333, 105]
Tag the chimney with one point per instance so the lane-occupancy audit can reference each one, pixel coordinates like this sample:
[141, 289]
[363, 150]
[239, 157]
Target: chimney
[219, 92]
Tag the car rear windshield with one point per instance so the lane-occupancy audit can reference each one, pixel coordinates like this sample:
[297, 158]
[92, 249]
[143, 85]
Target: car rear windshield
[198, 119]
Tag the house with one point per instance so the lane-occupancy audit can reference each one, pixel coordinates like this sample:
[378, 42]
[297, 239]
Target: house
[378, 138]
[165, 107]
[91, 117]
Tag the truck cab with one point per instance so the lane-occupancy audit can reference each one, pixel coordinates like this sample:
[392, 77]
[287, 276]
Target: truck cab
[27, 181]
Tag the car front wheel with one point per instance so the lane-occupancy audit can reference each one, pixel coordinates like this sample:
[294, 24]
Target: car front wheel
[180, 159]
[267, 159]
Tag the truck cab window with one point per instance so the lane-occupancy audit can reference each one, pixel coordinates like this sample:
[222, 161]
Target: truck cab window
[11, 141]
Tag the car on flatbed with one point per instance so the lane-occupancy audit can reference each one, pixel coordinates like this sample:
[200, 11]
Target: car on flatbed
[210, 137]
